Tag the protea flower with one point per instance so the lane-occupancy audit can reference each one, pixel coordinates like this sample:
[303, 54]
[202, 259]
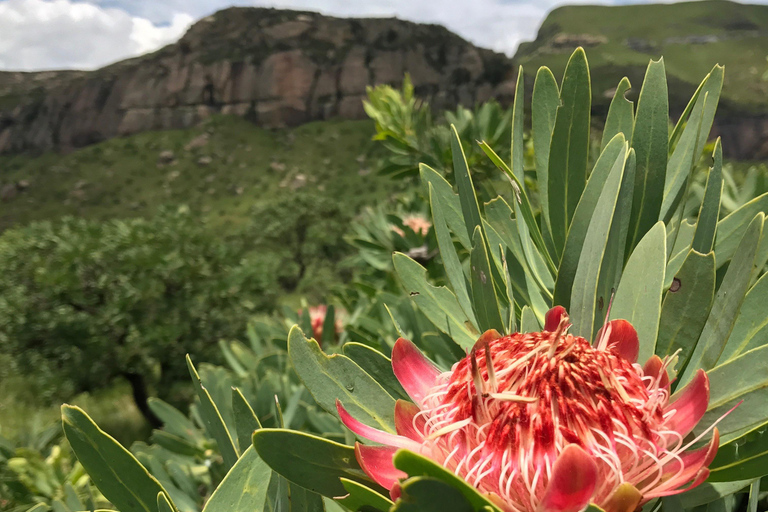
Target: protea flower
[317, 320]
[418, 224]
[547, 422]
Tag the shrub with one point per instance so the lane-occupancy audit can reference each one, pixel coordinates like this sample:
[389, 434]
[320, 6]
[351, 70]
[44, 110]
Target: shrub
[519, 411]
[301, 234]
[83, 302]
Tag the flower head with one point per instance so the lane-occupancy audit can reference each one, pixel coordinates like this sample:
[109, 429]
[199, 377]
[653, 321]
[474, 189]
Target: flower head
[317, 316]
[547, 422]
[416, 222]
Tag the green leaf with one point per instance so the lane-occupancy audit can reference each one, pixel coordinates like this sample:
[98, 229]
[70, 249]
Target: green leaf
[668, 504]
[584, 305]
[731, 229]
[621, 115]
[569, 149]
[679, 240]
[332, 505]
[176, 444]
[740, 379]
[546, 99]
[361, 496]
[518, 107]
[424, 494]
[638, 298]
[581, 220]
[449, 202]
[303, 500]
[377, 365]
[71, 499]
[312, 462]
[453, 269]
[709, 492]
[528, 321]
[754, 496]
[182, 477]
[174, 422]
[163, 503]
[40, 507]
[524, 209]
[232, 360]
[334, 377]
[518, 280]
[469, 207]
[437, 303]
[709, 213]
[416, 465]
[246, 421]
[686, 305]
[682, 161]
[743, 458]
[751, 327]
[650, 142]
[712, 87]
[150, 458]
[214, 424]
[484, 299]
[329, 324]
[244, 489]
[613, 257]
[727, 303]
[118, 475]
[682, 121]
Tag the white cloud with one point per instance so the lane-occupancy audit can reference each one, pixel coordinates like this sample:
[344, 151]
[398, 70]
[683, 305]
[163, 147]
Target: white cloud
[87, 34]
[39, 34]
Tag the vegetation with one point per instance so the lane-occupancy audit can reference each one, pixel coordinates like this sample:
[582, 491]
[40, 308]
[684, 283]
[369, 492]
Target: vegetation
[679, 281]
[289, 236]
[229, 167]
[621, 39]
[83, 302]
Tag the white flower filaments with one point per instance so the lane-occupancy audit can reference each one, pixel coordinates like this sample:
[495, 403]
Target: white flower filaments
[545, 421]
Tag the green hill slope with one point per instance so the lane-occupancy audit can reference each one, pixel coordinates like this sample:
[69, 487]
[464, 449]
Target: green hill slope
[223, 168]
[692, 37]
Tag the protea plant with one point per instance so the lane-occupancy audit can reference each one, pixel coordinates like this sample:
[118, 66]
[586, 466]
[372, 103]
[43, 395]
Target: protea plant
[502, 403]
[547, 422]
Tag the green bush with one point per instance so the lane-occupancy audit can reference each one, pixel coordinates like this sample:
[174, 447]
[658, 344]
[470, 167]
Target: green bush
[301, 234]
[83, 302]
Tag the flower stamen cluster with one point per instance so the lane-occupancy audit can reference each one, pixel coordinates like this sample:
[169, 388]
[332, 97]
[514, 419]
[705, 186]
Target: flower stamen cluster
[546, 421]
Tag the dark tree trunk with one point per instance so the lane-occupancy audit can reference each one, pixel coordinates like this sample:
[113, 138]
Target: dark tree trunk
[140, 396]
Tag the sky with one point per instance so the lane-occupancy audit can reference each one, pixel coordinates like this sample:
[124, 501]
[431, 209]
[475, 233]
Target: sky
[88, 34]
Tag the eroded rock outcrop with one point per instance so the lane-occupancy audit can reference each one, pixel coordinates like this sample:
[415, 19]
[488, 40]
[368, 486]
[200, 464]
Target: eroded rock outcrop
[274, 67]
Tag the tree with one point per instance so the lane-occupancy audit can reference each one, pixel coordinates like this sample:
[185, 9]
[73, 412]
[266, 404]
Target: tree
[83, 302]
[303, 234]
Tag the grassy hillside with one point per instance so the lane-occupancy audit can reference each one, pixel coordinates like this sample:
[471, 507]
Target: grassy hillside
[225, 168]
[692, 37]
[222, 168]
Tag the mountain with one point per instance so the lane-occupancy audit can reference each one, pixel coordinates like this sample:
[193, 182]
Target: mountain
[284, 68]
[273, 67]
[691, 36]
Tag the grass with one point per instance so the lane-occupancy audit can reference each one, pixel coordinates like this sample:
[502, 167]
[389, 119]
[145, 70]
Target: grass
[22, 416]
[238, 166]
[670, 30]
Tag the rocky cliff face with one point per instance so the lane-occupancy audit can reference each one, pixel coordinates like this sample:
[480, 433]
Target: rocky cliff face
[274, 67]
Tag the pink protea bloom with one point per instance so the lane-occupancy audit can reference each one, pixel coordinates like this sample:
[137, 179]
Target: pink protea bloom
[416, 222]
[317, 319]
[545, 421]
